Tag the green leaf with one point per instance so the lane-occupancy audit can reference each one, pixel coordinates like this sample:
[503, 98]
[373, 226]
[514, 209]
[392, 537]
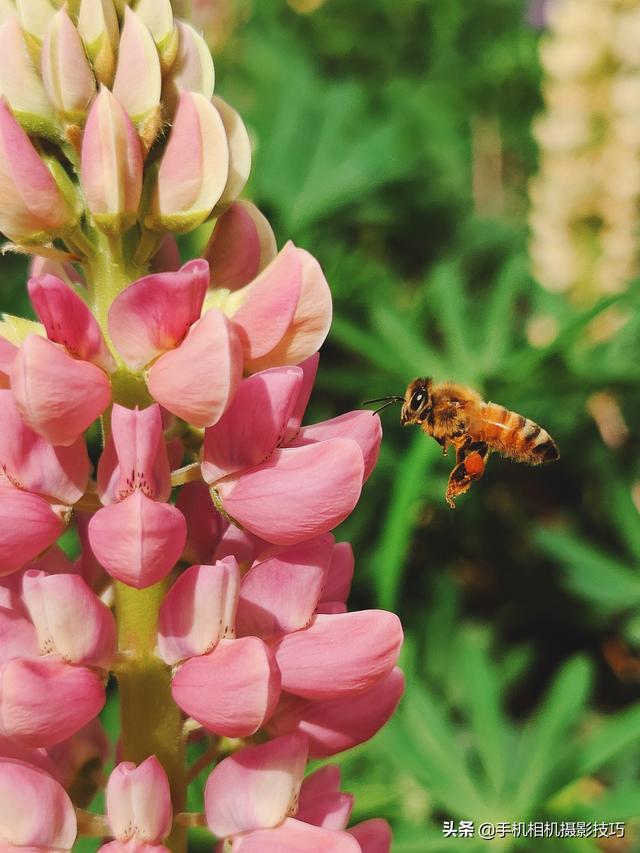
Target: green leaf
[590, 572]
[616, 733]
[498, 316]
[543, 745]
[391, 550]
[451, 308]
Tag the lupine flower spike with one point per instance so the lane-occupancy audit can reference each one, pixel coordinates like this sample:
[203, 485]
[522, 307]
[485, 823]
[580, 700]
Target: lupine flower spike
[152, 415]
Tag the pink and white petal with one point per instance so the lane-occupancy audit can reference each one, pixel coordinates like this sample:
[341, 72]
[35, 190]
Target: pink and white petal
[299, 493]
[232, 690]
[205, 525]
[359, 426]
[373, 836]
[57, 395]
[253, 425]
[8, 353]
[32, 463]
[139, 444]
[337, 582]
[294, 836]
[138, 541]
[35, 810]
[198, 611]
[197, 380]
[139, 801]
[69, 321]
[54, 602]
[309, 369]
[256, 787]
[334, 725]
[28, 525]
[268, 306]
[241, 246]
[339, 655]
[310, 324]
[321, 802]
[132, 846]
[44, 701]
[280, 594]
[155, 313]
[17, 636]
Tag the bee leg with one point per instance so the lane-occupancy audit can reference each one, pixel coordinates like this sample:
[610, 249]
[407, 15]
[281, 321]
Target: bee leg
[471, 460]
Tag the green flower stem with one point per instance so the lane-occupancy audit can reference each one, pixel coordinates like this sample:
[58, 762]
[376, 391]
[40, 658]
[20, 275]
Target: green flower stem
[151, 722]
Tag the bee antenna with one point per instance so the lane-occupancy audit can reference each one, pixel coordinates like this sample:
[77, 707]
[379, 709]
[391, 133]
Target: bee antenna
[388, 401]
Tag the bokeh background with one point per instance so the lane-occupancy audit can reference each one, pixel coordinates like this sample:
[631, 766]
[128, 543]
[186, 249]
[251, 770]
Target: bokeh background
[468, 174]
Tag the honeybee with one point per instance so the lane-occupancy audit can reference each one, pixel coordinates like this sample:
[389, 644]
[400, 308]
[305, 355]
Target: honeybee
[458, 416]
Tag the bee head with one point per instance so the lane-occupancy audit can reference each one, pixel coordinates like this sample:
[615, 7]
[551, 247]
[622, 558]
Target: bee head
[417, 402]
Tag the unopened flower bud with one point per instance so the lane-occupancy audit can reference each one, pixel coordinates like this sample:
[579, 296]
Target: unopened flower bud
[192, 70]
[21, 85]
[35, 17]
[67, 75]
[157, 15]
[239, 152]
[111, 165]
[137, 83]
[98, 27]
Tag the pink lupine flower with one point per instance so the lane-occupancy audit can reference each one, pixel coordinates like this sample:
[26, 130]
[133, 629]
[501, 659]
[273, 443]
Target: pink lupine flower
[111, 165]
[257, 787]
[139, 802]
[205, 526]
[33, 207]
[321, 801]
[8, 353]
[232, 690]
[199, 363]
[28, 525]
[35, 811]
[302, 489]
[333, 725]
[98, 27]
[44, 700]
[241, 246]
[373, 836]
[294, 836]
[136, 536]
[22, 87]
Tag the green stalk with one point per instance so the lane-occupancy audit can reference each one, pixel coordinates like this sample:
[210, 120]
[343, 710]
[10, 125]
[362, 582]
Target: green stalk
[151, 723]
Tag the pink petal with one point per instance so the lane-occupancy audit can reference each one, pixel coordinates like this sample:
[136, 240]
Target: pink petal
[309, 369]
[8, 353]
[139, 802]
[256, 787]
[310, 324]
[28, 525]
[331, 607]
[239, 146]
[241, 246]
[299, 493]
[198, 611]
[232, 690]
[138, 541]
[269, 305]
[197, 380]
[340, 655]
[333, 725]
[35, 810]
[241, 544]
[167, 258]
[155, 313]
[136, 456]
[54, 602]
[373, 836]
[321, 802]
[337, 583]
[254, 423]
[44, 701]
[57, 396]
[293, 836]
[40, 266]
[33, 464]
[35, 757]
[68, 320]
[280, 594]
[132, 846]
[359, 426]
[17, 636]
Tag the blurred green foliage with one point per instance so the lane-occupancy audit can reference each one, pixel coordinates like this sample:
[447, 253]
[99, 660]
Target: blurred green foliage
[370, 123]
